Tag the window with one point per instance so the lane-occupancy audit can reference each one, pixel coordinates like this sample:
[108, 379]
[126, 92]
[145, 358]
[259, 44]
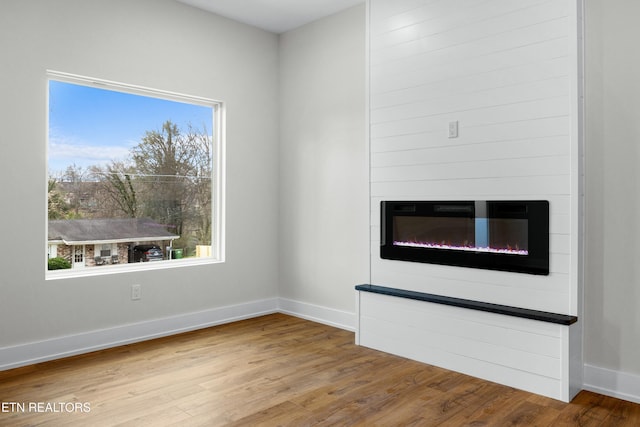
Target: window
[134, 175]
[105, 250]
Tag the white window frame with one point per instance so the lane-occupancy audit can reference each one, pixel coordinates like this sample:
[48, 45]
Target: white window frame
[217, 178]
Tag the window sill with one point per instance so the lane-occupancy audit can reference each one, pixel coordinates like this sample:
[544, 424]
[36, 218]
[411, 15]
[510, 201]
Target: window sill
[128, 268]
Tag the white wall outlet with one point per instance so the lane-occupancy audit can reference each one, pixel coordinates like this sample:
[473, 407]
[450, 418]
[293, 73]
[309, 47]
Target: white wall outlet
[453, 129]
[136, 292]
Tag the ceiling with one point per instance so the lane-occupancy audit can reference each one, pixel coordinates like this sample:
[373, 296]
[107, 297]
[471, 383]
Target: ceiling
[276, 16]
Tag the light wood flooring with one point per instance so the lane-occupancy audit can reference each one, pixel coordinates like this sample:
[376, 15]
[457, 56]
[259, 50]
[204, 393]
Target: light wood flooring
[278, 370]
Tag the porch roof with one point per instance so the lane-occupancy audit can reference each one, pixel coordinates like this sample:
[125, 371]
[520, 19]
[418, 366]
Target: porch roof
[107, 230]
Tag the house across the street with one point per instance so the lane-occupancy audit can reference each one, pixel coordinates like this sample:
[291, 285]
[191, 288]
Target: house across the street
[92, 242]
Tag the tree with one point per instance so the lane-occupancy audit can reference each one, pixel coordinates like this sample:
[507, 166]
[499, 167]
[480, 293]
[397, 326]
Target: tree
[198, 198]
[74, 179]
[174, 173]
[119, 194]
[58, 207]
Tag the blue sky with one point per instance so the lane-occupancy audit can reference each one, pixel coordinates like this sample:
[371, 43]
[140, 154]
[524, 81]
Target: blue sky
[92, 126]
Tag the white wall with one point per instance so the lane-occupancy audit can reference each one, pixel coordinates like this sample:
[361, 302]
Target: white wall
[612, 277]
[323, 162]
[155, 43]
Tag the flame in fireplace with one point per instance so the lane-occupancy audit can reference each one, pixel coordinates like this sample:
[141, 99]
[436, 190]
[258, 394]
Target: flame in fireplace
[509, 250]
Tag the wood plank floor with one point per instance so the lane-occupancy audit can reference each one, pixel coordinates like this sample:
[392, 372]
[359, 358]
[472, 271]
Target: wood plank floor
[277, 370]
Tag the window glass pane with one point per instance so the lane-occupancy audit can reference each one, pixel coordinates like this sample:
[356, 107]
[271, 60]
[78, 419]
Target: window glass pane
[130, 175]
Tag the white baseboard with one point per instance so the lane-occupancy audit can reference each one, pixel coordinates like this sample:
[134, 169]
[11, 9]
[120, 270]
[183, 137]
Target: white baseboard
[612, 383]
[316, 313]
[70, 345]
[56, 348]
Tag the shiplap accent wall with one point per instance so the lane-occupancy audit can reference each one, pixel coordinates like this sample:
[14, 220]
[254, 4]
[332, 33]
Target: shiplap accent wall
[508, 72]
[527, 354]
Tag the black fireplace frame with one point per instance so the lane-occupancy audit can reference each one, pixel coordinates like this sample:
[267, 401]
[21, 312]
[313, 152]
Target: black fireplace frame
[536, 212]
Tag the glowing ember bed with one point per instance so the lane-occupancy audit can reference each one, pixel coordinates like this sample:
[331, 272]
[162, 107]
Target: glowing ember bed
[495, 235]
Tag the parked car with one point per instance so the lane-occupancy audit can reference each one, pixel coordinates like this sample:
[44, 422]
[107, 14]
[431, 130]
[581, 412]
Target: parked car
[144, 253]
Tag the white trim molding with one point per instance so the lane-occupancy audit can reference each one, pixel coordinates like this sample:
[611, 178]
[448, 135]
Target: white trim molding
[71, 345]
[320, 314]
[57, 348]
[609, 382]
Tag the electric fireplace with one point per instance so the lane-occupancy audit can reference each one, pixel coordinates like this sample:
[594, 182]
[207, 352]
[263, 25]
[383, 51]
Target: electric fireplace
[494, 235]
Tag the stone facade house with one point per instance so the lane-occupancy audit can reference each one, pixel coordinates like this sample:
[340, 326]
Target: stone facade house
[95, 242]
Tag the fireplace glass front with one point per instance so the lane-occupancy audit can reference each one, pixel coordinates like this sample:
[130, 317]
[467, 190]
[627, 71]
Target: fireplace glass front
[496, 235]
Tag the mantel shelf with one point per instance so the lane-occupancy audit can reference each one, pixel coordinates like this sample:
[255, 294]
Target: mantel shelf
[543, 316]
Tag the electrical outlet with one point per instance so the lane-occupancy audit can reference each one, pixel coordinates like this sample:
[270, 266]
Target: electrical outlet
[136, 292]
[453, 129]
